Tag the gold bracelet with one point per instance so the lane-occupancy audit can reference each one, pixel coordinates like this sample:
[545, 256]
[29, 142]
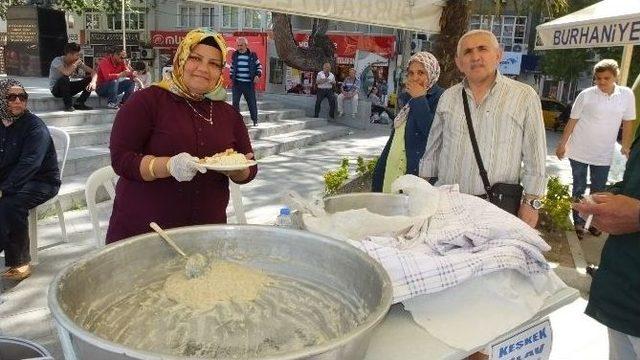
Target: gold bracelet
[153, 160]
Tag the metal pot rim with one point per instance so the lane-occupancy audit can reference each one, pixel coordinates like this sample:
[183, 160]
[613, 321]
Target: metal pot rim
[374, 318]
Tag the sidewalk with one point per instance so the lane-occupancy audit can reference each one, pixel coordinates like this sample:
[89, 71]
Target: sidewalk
[25, 314]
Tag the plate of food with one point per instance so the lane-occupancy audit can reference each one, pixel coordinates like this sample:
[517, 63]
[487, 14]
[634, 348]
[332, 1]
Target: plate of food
[229, 160]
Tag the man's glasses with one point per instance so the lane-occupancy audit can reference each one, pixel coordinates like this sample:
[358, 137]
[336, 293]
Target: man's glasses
[23, 97]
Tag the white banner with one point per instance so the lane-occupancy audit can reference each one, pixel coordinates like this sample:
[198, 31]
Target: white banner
[607, 23]
[420, 15]
[510, 63]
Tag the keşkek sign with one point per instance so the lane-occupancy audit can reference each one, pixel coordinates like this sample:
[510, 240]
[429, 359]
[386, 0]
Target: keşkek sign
[533, 344]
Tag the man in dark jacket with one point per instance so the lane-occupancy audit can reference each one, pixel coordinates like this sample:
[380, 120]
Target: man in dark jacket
[614, 299]
[245, 72]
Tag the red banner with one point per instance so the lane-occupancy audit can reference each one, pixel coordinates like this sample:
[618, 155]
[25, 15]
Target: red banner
[347, 45]
[169, 40]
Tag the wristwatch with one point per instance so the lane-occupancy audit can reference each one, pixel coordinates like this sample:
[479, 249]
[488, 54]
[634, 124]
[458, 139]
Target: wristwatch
[536, 204]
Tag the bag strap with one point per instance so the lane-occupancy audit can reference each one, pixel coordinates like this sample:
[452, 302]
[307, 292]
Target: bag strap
[474, 144]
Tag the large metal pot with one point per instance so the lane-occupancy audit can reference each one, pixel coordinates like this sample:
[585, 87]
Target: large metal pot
[124, 266]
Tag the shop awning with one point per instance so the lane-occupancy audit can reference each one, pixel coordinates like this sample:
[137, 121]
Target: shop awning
[415, 15]
[607, 23]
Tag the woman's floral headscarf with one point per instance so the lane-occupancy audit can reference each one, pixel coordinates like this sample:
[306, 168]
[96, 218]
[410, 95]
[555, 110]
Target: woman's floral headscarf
[5, 113]
[432, 67]
[176, 85]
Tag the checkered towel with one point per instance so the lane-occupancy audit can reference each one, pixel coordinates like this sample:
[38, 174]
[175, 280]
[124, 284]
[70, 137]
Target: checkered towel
[467, 237]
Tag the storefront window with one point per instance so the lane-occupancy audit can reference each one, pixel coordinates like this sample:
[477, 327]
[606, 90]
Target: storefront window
[114, 21]
[276, 70]
[208, 17]
[229, 17]
[269, 20]
[511, 31]
[92, 21]
[252, 19]
[186, 16]
[132, 20]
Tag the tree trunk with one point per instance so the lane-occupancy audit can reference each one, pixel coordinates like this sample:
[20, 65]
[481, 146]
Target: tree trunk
[453, 24]
[320, 48]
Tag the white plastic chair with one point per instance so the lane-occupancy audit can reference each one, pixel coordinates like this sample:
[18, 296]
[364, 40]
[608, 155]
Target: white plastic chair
[61, 142]
[107, 178]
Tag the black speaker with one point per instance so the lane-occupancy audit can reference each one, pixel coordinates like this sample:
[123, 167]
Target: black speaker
[35, 35]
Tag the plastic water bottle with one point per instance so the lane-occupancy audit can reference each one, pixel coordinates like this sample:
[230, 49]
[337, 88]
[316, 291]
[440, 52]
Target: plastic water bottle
[284, 219]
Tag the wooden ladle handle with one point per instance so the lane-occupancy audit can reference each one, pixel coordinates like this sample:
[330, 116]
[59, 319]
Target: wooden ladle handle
[163, 234]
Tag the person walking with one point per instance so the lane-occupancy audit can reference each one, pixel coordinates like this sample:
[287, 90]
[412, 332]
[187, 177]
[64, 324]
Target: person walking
[245, 72]
[590, 135]
[325, 81]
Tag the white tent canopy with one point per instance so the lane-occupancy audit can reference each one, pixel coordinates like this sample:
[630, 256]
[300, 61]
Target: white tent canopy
[607, 23]
[415, 15]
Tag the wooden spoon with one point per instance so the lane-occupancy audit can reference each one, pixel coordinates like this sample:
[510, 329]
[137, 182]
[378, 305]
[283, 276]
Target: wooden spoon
[196, 263]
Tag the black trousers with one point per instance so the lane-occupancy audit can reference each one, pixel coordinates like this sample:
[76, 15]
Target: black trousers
[14, 223]
[331, 96]
[248, 90]
[65, 88]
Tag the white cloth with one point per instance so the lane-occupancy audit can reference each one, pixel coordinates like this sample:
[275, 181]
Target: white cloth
[328, 84]
[467, 237]
[464, 316]
[599, 117]
[183, 167]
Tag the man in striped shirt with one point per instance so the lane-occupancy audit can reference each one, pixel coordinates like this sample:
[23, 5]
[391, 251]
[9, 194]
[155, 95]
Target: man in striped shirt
[507, 119]
[245, 71]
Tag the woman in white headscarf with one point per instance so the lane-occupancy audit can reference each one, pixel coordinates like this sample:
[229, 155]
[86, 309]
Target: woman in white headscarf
[411, 126]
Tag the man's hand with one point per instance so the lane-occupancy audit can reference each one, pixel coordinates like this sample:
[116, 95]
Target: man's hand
[91, 86]
[256, 79]
[615, 214]
[625, 151]
[528, 214]
[561, 149]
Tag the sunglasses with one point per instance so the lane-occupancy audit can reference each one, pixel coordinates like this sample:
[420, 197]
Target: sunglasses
[23, 97]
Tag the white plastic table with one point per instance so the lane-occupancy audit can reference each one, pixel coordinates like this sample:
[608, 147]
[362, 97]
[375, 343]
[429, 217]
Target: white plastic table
[400, 337]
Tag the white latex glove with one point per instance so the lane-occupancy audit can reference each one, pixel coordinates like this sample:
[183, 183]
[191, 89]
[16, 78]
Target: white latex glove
[183, 167]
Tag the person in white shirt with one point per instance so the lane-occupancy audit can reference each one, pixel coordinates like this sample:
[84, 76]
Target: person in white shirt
[325, 80]
[349, 91]
[590, 135]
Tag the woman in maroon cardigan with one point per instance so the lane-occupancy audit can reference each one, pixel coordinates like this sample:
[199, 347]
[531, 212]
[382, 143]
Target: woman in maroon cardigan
[158, 134]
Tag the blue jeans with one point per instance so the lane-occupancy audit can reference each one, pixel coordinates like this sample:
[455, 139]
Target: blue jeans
[111, 89]
[598, 176]
[247, 89]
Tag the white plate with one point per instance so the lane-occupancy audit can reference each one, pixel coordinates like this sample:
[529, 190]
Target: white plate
[230, 167]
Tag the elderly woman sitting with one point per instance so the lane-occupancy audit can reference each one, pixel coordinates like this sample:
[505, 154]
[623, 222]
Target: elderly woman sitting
[408, 139]
[29, 175]
[160, 133]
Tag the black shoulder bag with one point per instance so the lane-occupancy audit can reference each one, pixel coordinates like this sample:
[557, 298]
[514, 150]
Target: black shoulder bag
[505, 196]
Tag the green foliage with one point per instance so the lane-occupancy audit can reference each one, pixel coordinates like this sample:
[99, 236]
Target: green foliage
[557, 204]
[363, 167]
[565, 64]
[77, 6]
[334, 179]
